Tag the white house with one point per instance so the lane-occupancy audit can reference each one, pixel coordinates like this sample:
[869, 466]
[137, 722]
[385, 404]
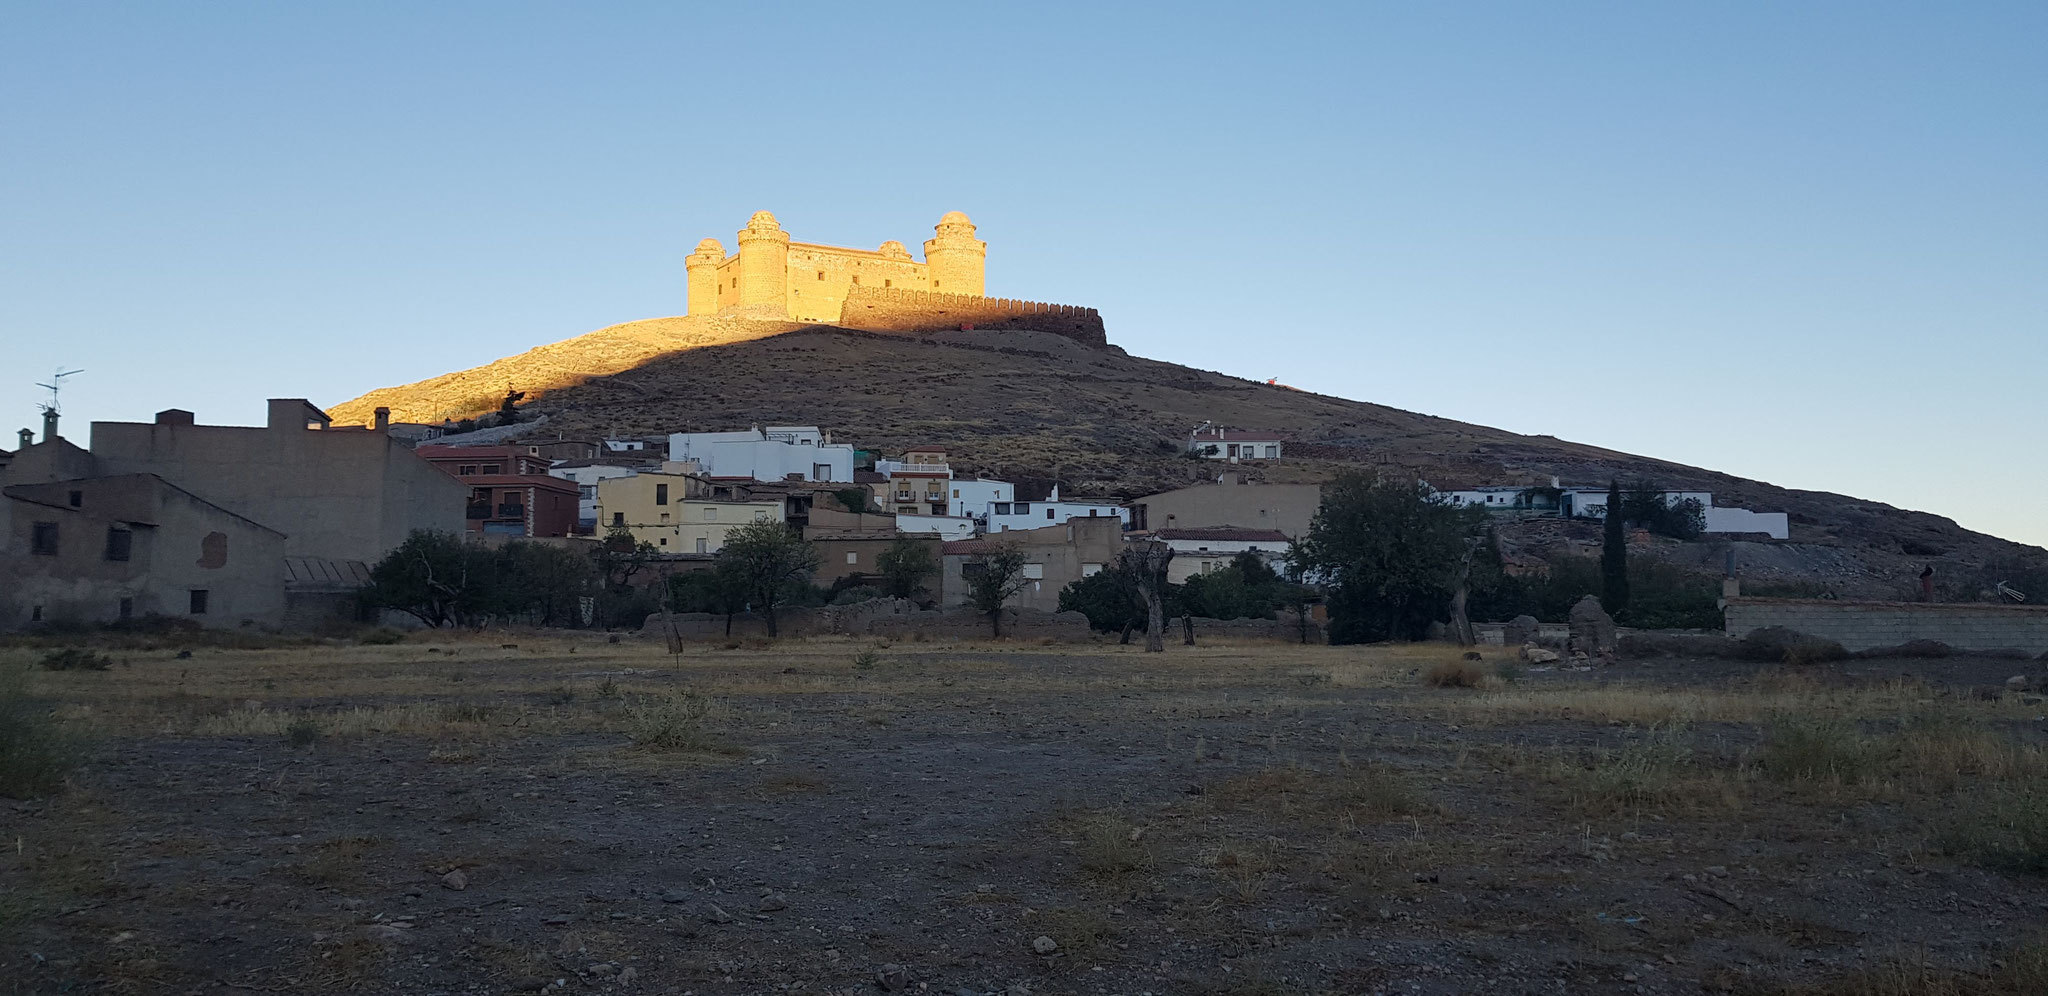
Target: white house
[586, 474]
[1233, 445]
[1199, 551]
[1491, 497]
[974, 495]
[946, 527]
[776, 453]
[1591, 503]
[1003, 516]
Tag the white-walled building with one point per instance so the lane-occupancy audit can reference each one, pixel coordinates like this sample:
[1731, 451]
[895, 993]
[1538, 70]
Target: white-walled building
[1003, 516]
[1235, 445]
[777, 453]
[585, 474]
[974, 495]
[1199, 551]
[946, 527]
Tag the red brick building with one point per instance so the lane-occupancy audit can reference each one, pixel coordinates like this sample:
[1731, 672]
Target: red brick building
[510, 492]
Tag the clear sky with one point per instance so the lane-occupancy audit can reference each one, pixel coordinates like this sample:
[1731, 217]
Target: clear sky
[1806, 243]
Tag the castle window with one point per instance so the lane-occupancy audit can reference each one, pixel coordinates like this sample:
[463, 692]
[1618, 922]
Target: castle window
[856, 278]
[888, 283]
[821, 274]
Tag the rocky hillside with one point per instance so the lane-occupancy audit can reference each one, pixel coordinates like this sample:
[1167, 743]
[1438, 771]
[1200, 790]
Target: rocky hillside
[1038, 408]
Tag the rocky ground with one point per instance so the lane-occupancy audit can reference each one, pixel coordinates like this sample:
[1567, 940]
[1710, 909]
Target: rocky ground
[833, 817]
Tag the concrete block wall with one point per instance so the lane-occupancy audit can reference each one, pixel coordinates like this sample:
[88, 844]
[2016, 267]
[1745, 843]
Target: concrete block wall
[1863, 625]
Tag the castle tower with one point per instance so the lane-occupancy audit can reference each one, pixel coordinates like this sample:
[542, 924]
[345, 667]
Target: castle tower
[954, 259]
[764, 265]
[703, 267]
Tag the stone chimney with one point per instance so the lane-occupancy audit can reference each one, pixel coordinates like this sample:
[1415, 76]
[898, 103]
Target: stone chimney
[49, 425]
[383, 416]
[28, 438]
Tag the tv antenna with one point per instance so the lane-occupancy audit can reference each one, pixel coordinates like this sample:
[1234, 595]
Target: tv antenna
[55, 385]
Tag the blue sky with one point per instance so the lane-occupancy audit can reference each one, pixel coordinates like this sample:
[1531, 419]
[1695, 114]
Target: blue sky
[1806, 243]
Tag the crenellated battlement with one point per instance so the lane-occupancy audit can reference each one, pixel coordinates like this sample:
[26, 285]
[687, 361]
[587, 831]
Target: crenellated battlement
[897, 310]
[882, 289]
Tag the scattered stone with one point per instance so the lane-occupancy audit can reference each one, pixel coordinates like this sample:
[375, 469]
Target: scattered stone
[716, 915]
[628, 975]
[676, 896]
[1592, 628]
[455, 880]
[2016, 683]
[1473, 655]
[1044, 945]
[1537, 655]
[892, 977]
[774, 902]
[1521, 630]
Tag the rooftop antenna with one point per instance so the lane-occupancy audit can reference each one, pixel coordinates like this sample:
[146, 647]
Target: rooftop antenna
[55, 385]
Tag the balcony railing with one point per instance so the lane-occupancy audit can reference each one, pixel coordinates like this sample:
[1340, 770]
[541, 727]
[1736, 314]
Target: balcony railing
[511, 511]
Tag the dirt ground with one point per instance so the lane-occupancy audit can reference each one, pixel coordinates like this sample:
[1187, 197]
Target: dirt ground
[513, 813]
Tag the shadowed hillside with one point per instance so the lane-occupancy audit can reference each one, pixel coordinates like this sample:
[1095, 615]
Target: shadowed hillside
[1038, 408]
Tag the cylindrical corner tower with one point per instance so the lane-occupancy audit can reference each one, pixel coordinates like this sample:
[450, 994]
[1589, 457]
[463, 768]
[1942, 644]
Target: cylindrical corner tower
[764, 265]
[954, 259]
[703, 267]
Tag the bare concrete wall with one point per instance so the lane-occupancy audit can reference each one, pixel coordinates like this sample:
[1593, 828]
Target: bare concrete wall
[1863, 625]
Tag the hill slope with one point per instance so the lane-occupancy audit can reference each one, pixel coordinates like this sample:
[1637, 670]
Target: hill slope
[1038, 408]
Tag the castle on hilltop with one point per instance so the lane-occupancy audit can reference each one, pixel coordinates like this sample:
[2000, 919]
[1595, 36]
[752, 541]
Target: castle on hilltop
[883, 290]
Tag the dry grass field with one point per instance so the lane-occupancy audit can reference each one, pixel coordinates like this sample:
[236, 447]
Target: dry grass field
[519, 812]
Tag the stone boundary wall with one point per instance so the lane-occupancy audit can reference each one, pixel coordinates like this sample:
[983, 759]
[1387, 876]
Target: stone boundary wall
[1863, 625]
[900, 620]
[894, 309]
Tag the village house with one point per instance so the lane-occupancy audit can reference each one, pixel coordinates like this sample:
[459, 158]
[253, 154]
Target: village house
[585, 474]
[1014, 515]
[776, 453]
[1054, 557]
[848, 543]
[672, 511]
[918, 484]
[511, 491]
[1235, 445]
[1288, 508]
[106, 549]
[344, 493]
[1200, 551]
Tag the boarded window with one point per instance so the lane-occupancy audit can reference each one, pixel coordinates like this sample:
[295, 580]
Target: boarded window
[43, 539]
[199, 601]
[119, 542]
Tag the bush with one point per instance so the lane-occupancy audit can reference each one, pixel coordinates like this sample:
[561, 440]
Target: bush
[382, 636]
[1930, 649]
[1819, 750]
[1455, 674]
[2006, 830]
[1778, 645]
[673, 723]
[302, 731]
[36, 754]
[75, 659]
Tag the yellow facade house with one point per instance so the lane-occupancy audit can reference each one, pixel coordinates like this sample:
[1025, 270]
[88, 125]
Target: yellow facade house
[657, 509]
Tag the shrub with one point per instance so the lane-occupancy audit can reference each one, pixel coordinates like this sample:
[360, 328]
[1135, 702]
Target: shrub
[382, 636]
[1778, 645]
[2006, 830]
[1650, 772]
[75, 659]
[1813, 749]
[673, 723]
[1455, 674]
[302, 731]
[35, 752]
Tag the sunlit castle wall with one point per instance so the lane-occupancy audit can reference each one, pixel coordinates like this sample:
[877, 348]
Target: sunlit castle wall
[774, 277]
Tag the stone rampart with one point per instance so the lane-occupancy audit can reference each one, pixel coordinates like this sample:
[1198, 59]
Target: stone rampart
[881, 309]
[1863, 625]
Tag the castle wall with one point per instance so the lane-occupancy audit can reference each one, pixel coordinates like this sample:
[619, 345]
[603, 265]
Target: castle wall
[821, 276]
[891, 310]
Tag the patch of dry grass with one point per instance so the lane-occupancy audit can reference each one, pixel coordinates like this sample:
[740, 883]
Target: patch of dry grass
[1351, 794]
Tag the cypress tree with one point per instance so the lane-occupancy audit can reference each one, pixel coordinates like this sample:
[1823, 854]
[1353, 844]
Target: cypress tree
[1614, 556]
